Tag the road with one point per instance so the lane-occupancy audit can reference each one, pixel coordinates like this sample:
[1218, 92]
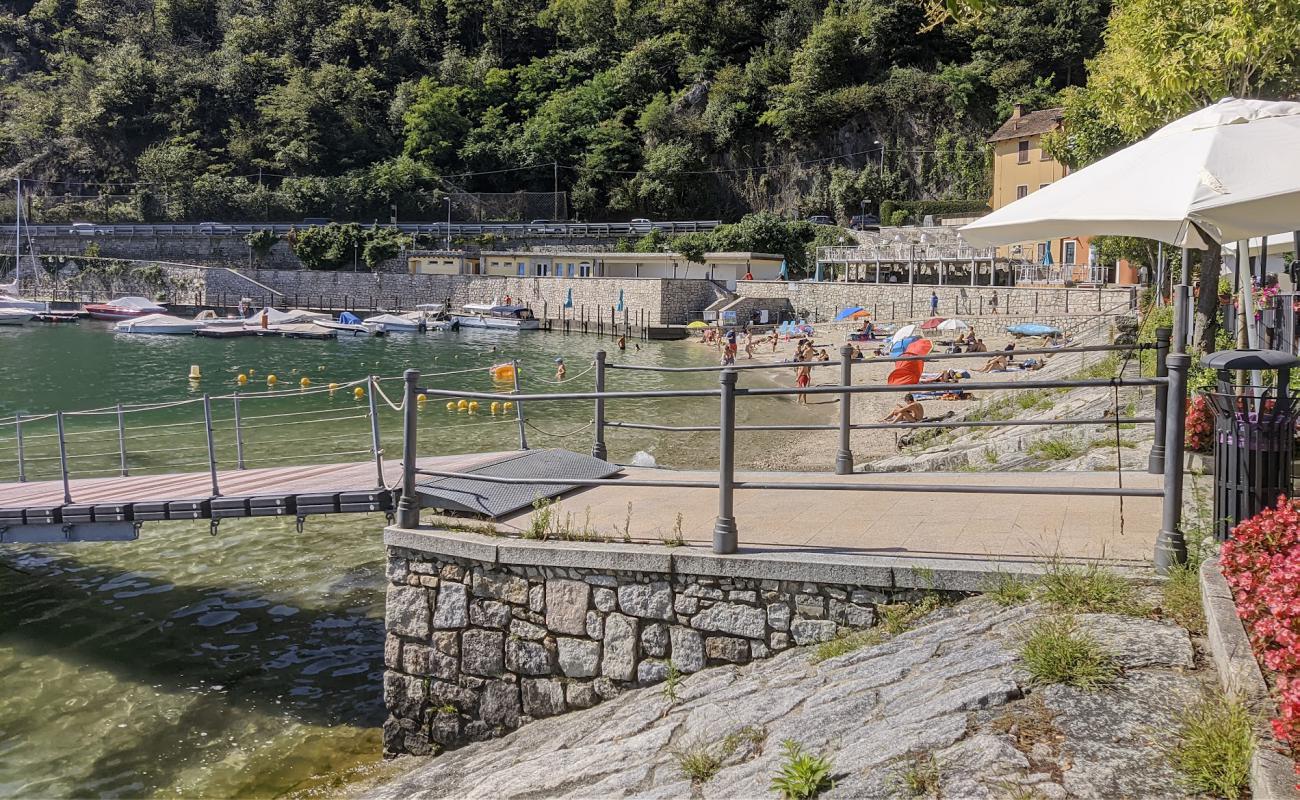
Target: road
[558, 230]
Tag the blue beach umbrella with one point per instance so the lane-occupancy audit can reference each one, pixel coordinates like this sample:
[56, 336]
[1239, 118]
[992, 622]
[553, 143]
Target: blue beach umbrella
[848, 312]
[785, 271]
[568, 300]
[1047, 254]
[620, 300]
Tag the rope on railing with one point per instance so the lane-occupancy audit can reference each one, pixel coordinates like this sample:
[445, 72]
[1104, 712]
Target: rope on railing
[573, 432]
[388, 402]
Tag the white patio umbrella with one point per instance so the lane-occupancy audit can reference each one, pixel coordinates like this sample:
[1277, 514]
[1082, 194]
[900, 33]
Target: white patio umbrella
[953, 325]
[1226, 172]
[904, 332]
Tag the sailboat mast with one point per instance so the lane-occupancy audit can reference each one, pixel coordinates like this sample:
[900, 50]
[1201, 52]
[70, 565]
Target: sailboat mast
[18, 232]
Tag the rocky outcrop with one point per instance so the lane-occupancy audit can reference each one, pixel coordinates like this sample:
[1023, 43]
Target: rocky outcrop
[948, 696]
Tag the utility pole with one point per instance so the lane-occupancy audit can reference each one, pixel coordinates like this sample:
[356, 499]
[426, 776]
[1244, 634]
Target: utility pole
[18, 236]
[447, 241]
[555, 190]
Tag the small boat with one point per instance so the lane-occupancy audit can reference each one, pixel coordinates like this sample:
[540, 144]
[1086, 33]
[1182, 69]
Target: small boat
[348, 323]
[158, 324]
[433, 316]
[14, 316]
[10, 303]
[488, 315]
[209, 319]
[55, 316]
[123, 308]
[1033, 329]
[392, 323]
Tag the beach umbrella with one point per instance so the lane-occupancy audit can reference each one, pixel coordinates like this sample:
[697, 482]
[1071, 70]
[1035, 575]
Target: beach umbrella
[903, 333]
[1207, 176]
[848, 313]
[620, 300]
[861, 313]
[568, 299]
[785, 271]
[953, 325]
[932, 323]
[697, 324]
[1047, 254]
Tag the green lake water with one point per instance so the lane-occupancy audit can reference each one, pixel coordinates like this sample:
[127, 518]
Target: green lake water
[247, 663]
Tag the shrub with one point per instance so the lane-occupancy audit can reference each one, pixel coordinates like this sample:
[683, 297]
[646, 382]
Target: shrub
[802, 775]
[1200, 425]
[1056, 652]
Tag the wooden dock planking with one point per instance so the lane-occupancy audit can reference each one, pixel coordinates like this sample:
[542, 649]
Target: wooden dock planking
[303, 479]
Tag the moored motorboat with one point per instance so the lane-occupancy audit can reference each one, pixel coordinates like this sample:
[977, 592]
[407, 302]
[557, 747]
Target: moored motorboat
[392, 323]
[158, 324]
[502, 317]
[10, 303]
[14, 316]
[347, 323]
[123, 308]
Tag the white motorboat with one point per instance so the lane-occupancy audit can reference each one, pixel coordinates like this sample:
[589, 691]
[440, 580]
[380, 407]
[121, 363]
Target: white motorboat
[14, 316]
[348, 323]
[10, 303]
[392, 323]
[158, 324]
[502, 317]
[130, 307]
[209, 319]
[433, 316]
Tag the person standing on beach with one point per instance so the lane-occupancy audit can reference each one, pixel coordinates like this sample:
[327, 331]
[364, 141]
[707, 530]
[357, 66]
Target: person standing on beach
[993, 302]
[749, 345]
[802, 376]
[934, 304]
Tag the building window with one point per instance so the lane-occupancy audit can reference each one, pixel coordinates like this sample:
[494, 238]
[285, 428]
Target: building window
[584, 270]
[523, 268]
[1021, 191]
[1022, 152]
[1043, 185]
[1067, 252]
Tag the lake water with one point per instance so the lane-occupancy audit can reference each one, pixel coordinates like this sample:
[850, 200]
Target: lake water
[247, 663]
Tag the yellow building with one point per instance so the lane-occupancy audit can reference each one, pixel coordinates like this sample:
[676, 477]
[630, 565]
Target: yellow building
[1020, 167]
[725, 268]
[441, 262]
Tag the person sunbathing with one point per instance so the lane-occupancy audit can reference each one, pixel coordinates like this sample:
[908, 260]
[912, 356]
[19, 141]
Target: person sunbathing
[997, 363]
[947, 376]
[907, 410]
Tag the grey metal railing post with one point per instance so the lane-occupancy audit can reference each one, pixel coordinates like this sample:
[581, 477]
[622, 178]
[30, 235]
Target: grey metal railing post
[519, 407]
[844, 458]
[1171, 547]
[121, 440]
[239, 434]
[1156, 459]
[18, 437]
[598, 449]
[212, 446]
[724, 527]
[376, 448]
[408, 508]
[63, 458]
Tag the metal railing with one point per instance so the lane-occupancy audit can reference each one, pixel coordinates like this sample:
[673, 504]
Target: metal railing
[549, 229]
[725, 534]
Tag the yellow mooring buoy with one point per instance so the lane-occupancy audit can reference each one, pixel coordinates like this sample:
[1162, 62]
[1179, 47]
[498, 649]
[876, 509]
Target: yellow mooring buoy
[358, 393]
[271, 380]
[195, 372]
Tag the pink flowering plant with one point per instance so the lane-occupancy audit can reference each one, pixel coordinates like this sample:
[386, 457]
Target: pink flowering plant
[1262, 565]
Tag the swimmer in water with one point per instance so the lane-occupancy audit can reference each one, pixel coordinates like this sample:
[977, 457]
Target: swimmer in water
[559, 369]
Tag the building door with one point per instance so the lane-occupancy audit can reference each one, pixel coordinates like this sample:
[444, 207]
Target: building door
[1068, 251]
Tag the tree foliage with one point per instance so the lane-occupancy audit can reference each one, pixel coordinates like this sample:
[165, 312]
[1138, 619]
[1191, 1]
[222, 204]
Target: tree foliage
[194, 109]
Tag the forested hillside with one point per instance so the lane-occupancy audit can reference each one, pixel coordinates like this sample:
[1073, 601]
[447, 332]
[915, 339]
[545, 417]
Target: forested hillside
[198, 109]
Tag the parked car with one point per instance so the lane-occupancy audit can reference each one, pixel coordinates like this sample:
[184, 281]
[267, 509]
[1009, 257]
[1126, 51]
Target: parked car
[821, 219]
[864, 222]
[315, 221]
[214, 228]
[83, 229]
[641, 225]
[545, 226]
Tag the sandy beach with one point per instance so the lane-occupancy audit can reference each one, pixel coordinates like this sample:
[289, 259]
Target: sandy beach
[815, 450]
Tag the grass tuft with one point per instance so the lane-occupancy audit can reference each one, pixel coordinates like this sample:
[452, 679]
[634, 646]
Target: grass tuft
[920, 779]
[1056, 652]
[1088, 589]
[1214, 747]
[1009, 589]
[801, 775]
[1056, 448]
[900, 617]
[699, 763]
[847, 643]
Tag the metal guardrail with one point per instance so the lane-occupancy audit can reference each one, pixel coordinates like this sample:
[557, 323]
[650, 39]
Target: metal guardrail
[549, 229]
[1172, 379]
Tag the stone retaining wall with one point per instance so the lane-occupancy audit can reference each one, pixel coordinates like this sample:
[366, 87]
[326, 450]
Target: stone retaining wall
[475, 649]
[664, 301]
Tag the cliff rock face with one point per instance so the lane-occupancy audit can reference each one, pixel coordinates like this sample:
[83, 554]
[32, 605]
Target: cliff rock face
[947, 699]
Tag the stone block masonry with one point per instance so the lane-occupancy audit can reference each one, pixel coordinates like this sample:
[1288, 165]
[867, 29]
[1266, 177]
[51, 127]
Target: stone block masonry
[475, 648]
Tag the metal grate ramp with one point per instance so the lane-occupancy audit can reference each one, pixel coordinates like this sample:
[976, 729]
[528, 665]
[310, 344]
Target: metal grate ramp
[499, 499]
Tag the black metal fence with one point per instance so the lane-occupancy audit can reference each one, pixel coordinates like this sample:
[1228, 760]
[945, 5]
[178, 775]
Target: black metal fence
[726, 535]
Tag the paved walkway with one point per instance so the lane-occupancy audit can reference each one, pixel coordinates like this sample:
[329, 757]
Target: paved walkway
[975, 526]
